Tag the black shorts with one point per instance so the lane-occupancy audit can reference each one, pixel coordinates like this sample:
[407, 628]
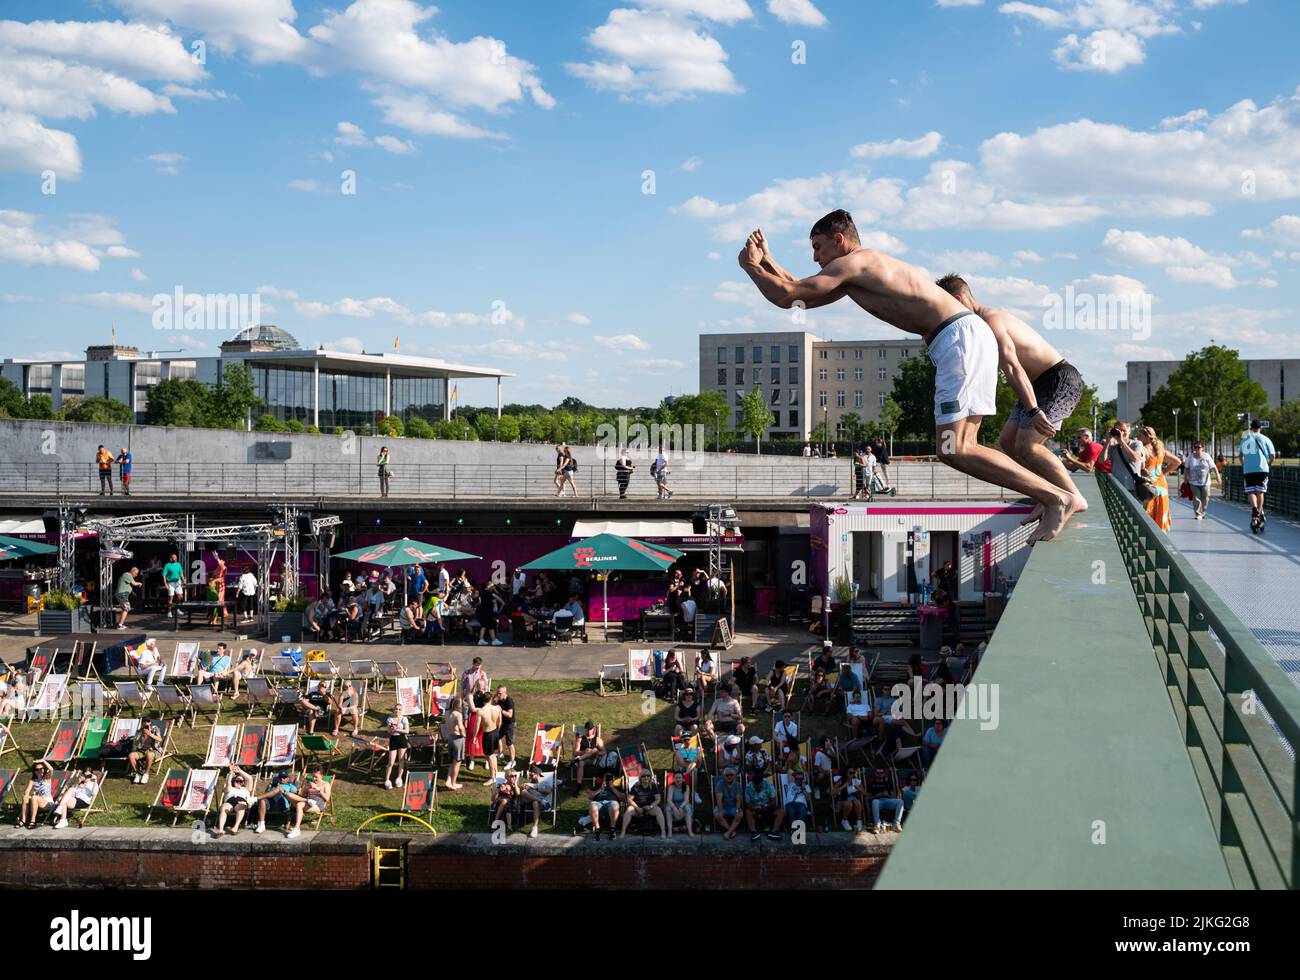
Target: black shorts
[1254, 482]
[397, 741]
[1057, 391]
[508, 733]
[491, 741]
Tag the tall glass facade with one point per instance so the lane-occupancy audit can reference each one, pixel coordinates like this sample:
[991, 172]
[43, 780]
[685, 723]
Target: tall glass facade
[347, 400]
[419, 398]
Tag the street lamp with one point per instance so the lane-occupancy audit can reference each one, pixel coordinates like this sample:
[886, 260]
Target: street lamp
[1175, 411]
[1197, 403]
[826, 429]
[717, 428]
[1094, 420]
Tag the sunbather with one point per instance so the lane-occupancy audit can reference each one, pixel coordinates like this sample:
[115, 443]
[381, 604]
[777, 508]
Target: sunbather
[239, 798]
[38, 796]
[81, 795]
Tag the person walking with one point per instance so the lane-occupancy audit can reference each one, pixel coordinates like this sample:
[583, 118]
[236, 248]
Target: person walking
[385, 475]
[882, 463]
[246, 599]
[1158, 462]
[126, 582]
[174, 580]
[659, 470]
[623, 469]
[1200, 469]
[1257, 452]
[124, 470]
[105, 460]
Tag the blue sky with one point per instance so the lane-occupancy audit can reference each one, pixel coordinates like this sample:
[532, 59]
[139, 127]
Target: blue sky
[1123, 148]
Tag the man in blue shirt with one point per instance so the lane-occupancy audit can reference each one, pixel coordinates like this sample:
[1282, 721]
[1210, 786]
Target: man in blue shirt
[1257, 452]
[124, 468]
[174, 579]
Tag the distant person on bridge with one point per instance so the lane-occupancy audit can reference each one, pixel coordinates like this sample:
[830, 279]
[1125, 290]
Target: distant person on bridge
[1089, 455]
[1200, 470]
[882, 461]
[124, 470]
[385, 475]
[623, 469]
[1158, 462]
[964, 348]
[105, 460]
[1257, 452]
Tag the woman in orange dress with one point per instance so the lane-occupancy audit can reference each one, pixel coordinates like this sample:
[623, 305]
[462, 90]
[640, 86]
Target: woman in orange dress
[1157, 462]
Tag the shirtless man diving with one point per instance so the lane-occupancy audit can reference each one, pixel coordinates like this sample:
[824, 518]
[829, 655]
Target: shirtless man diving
[963, 348]
[1057, 388]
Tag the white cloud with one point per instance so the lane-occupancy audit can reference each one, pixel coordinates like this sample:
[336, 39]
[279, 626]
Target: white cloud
[656, 56]
[121, 252]
[917, 149]
[138, 276]
[714, 256]
[168, 162]
[26, 146]
[621, 343]
[969, 260]
[304, 185]
[657, 365]
[17, 298]
[272, 292]
[262, 30]
[801, 12]
[78, 245]
[1285, 229]
[581, 319]
[133, 302]
[364, 308]
[1182, 261]
[134, 50]
[350, 134]
[955, 195]
[510, 349]
[691, 163]
[418, 115]
[1105, 51]
[394, 145]
[1026, 255]
[1011, 292]
[349, 345]
[881, 241]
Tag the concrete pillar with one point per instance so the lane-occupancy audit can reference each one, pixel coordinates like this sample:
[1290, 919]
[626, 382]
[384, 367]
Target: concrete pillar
[388, 392]
[315, 393]
[498, 398]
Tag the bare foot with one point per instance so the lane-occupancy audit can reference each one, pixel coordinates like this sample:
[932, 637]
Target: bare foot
[1079, 505]
[1053, 520]
[1035, 515]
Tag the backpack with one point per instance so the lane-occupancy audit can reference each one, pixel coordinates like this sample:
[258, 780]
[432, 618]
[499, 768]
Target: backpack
[654, 468]
[573, 463]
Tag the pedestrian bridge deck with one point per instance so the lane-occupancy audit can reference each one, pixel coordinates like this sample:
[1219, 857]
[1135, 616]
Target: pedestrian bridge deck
[1085, 782]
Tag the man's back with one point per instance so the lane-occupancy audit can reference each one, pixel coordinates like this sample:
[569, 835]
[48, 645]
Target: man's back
[1256, 451]
[1034, 353]
[894, 291]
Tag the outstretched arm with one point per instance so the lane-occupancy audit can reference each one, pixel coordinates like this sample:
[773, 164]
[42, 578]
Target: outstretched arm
[769, 262]
[819, 290]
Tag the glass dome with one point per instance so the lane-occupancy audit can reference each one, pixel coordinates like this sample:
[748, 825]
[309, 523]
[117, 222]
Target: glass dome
[267, 336]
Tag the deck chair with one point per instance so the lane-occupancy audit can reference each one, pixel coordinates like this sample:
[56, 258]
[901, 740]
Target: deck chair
[439, 671]
[10, 744]
[99, 804]
[131, 695]
[323, 667]
[362, 670]
[329, 805]
[366, 752]
[185, 660]
[93, 737]
[95, 698]
[204, 698]
[791, 674]
[633, 760]
[170, 793]
[640, 666]
[196, 800]
[82, 664]
[282, 748]
[222, 743]
[548, 744]
[410, 694]
[691, 782]
[766, 747]
[549, 790]
[689, 742]
[39, 664]
[250, 751]
[171, 696]
[318, 750]
[284, 667]
[260, 694]
[8, 779]
[440, 693]
[64, 742]
[286, 697]
[386, 670]
[122, 728]
[616, 676]
[420, 793]
[167, 747]
[48, 697]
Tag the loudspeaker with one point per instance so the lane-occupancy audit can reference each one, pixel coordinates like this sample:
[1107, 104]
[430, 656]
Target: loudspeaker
[699, 524]
[304, 525]
[51, 521]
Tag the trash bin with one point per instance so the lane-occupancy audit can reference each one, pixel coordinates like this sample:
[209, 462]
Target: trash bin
[932, 623]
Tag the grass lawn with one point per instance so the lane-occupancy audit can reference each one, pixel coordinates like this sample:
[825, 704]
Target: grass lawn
[359, 795]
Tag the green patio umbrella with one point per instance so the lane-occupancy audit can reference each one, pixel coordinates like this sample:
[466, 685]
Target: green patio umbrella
[22, 548]
[398, 554]
[605, 553]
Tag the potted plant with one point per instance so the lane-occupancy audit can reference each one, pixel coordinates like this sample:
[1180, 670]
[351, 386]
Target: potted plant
[286, 617]
[63, 613]
[842, 595]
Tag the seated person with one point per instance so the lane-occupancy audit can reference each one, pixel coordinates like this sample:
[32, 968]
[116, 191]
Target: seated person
[280, 797]
[821, 695]
[349, 706]
[761, 805]
[316, 799]
[858, 712]
[535, 793]
[148, 663]
[318, 703]
[931, 740]
[570, 614]
[643, 801]
[745, 677]
[213, 664]
[785, 738]
[823, 763]
[778, 687]
[686, 754]
[680, 805]
[411, 621]
[825, 661]
[39, 795]
[13, 696]
[849, 680]
[320, 617]
[588, 746]
[79, 796]
[505, 800]
[236, 803]
[353, 618]
[145, 746]
[245, 668]
[706, 671]
[849, 800]
[731, 753]
[756, 759]
[605, 803]
[724, 716]
[728, 799]
[881, 790]
[686, 716]
[910, 791]
[796, 803]
[674, 678]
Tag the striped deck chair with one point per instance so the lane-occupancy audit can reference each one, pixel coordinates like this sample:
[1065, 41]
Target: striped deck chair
[131, 695]
[287, 697]
[222, 742]
[439, 671]
[204, 698]
[64, 742]
[10, 744]
[39, 663]
[185, 660]
[548, 745]
[282, 747]
[82, 664]
[284, 668]
[8, 778]
[323, 667]
[47, 698]
[691, 783]
[196, 801]
[95, 698]
[633, 760]
[93, 738]
[362, 670]
[420, 793]
[410, 695]
[440, 693]
[689, 743]
[61, 782]
[65, 781]
[122, 728]
[171, 696]
[260, 694]
[366, 751]
[170, 793]
[387, 670]
[251, 748]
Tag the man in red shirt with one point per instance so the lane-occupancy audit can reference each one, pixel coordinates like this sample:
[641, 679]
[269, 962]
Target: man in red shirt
[1089, 457]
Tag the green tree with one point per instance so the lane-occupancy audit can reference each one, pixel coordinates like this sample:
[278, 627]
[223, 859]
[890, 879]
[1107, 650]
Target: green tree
[293, 425]
[11, 399]
[1215, 375]
[1284, 427]
[891, 416]
[230, 401]
[914, 395]
[313, 430]
[101, 411]
[561, 425]
[40, 406]
[755, 417]
[392, 427]
[177, 401]
[508, 430]
[418, 428]
[485, 426]
[268, 423]
[855, 427]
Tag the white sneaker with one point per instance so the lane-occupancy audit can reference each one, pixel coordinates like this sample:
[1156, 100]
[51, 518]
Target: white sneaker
[259, 828]
[510, 765]
[531, 833]
[845, 825]
[858, 826]
[388, 784]
[482, 643]
[144, 779]
[122, 626]
[496, 643]
[293, 833]
[398, 782]
[61, 824]
[898, 828]
[880, 828]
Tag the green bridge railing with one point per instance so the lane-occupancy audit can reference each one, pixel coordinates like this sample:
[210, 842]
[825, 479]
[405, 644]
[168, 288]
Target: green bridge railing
[1283, 489]
[1219, 678]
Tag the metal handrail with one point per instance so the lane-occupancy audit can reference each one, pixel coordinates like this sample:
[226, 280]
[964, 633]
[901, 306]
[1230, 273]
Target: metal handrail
[1238, 711]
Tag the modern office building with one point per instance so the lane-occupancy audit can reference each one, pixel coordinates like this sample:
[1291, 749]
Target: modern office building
[326, 388]
[1144, 378]
[805, 379]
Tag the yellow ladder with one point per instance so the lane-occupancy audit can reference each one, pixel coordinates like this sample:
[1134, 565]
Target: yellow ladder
[388, 867]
